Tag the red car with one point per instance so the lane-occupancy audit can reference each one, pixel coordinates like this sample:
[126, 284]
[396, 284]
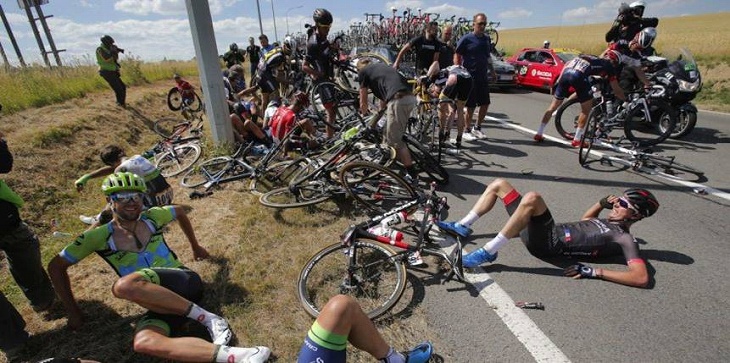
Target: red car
[540, 67]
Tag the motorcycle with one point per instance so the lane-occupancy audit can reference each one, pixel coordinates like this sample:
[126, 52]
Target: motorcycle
[677, 73]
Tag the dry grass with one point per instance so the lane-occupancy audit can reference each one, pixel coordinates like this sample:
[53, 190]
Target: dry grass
[258, 252]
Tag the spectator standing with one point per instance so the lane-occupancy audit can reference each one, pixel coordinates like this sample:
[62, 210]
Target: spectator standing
[446, 53]
[427, 47]
[233, 56]
[254, 54]
[107, 57]
[473, 53]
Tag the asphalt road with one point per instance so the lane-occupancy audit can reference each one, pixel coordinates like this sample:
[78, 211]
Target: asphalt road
[682, 316]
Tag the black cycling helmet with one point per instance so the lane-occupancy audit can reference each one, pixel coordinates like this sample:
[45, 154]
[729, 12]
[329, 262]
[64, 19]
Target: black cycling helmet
[322, 17]
[643, 200]
[107, 40]
[233, 47]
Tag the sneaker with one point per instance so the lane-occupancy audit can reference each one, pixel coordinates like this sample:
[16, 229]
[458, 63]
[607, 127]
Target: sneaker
[538, 138]
[478, 257]
[478, 134]
[576, 143]
[421, 353]
[455, 228]
[414, 259]
[468, 136]
[219, 331]
[88, 219]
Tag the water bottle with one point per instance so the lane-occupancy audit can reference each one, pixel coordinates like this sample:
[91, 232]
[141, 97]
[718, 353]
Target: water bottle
[393, 235]
[609, 108]
[393, 220]
[452, 151]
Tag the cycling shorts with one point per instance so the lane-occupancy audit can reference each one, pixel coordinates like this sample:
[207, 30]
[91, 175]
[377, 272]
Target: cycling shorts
[457, 91]
[326, 94]
[266, 82]
[321, 345]
[572, 78]
[479, 94]
[539, 237]
[183, 282]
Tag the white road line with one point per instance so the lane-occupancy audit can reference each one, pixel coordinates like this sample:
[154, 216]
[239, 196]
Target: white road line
[710, 190]
[516, 320]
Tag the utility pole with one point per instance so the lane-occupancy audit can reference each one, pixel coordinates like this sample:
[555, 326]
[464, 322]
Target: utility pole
[47, 30]
[12, 37]
[261, 26]
[38, 39]
[273, 16]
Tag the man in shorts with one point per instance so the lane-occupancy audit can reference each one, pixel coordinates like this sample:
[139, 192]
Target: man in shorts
[151, 276]
[590, 237]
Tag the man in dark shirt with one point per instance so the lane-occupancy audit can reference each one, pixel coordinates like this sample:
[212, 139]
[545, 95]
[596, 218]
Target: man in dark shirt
[591, 237]
[427, 48]
[395, 93]
[233, 56]
[254, 54]
[318, 62]
[629, 22]
[446, 53]
[472, 52]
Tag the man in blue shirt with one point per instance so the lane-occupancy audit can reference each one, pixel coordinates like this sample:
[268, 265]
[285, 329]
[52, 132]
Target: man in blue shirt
[472, 53]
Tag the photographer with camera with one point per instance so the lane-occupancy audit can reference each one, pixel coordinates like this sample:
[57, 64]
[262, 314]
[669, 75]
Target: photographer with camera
[107, 57]
[629, 22]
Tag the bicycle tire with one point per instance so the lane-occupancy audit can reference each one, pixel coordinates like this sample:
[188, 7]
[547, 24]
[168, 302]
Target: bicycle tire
[184, 157]
[276, 176]
[379, 279]
[425, 161]
[174, 99]
[168, 127]
[645, 132]
[586, 142]
[375, 187]
[196, 105]
[494, 36]
[346, 102]
[299, 195]
[201, 173]
[567, 113]
[671, 166]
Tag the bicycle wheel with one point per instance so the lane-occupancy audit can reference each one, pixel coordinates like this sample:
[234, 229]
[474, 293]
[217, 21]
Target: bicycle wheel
[566, 118]
[427, 163]
[673, 168]
[367, 271]
[206, 171]
[168, 127]
[179, 159]
[174, 99]
[589, 136]
[305, 193]
[645, 131]
[376, 188]
[494, 35]
[194, 104]
[277, 176]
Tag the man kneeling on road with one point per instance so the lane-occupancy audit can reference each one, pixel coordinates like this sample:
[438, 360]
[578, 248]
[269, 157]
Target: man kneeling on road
[591, 237]
[151, 276]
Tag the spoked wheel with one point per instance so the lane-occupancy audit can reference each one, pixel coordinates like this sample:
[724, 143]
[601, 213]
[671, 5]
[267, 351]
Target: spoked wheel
[425, 161]
[588, 137]
[305, 193]
[179, 159]
[346, 103]
[376, 188]
[206, 171]
[167, 127]
[566, 118]
[641, 129]
[278, 175]
[375, 279]
[176, 101]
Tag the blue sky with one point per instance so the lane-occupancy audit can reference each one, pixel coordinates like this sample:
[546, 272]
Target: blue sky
[158, 29]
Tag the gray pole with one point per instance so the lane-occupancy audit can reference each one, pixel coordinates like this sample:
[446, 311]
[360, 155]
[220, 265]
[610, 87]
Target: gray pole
[276, 34]
[35, 32]
[211, 80]
[286, 15]
[47, 30]
[5, 57]
[12, 37]
[258, 7]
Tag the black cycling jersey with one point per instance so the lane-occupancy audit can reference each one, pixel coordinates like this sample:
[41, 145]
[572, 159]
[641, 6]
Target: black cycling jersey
[319, 54]
[425, 50]
[595, 238]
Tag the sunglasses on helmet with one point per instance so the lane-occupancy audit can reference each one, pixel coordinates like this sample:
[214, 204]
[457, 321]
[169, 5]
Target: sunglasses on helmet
[129, 197]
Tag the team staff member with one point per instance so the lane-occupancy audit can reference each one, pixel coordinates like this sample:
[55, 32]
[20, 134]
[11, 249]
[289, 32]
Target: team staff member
[396, 95]
[591, 237]
[446, 53]
[151, 276]
[427, 48]
[629, 22]
[254, 54]
[318, 65]
[473, 52]
[107, 57]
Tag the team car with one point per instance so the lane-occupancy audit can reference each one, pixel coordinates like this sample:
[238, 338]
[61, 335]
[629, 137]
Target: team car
[540, 67]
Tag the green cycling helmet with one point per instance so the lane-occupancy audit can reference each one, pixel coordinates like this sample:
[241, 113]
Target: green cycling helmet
[123, 182]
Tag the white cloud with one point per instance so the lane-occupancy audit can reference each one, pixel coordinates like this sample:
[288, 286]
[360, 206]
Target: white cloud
[167, 7]
[515, 14]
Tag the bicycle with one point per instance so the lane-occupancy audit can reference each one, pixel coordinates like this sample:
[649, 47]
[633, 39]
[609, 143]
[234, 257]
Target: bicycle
[219, 170]
[176, 100]
[172, 128]
[364, 266]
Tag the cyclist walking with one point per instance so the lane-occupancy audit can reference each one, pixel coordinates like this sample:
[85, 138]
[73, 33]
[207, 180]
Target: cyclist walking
[318, 62]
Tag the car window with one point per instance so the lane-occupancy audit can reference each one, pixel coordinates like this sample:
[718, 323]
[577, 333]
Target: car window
[544, 56]
[531, 56]
[566, 56]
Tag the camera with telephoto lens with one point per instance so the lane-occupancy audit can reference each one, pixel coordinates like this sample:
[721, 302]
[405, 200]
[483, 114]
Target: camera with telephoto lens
[116, 49]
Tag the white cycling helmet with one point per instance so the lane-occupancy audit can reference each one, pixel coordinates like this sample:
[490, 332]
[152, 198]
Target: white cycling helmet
[637, 7]
[546, 44]
[290, 43]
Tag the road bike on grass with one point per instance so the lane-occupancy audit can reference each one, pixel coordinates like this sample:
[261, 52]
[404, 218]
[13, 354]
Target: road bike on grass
[365, 266]
[177, 99]
[179, 148]
[173, 127]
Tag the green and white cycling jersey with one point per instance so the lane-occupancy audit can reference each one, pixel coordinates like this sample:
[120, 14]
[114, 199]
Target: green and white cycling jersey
[100, 240]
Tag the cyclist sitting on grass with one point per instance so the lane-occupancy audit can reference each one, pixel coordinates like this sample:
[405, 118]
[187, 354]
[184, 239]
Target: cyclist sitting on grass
[286, 118]
[151, 276]
[244, 124]
[343, 320]
[158, 191]
[591, 237]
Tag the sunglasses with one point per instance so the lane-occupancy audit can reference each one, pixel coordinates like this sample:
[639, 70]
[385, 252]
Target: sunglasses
[623, 203]
[326, 26]
[482, 23]
[125, 198]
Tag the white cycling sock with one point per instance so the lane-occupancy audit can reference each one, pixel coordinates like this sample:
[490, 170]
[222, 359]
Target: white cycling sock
[541, 128]
[469, 219]
[578, 134]
[393, 357]
[495, 244]
[201, 315]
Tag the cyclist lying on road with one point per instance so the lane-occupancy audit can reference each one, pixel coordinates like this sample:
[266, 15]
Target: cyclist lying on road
[591, 237]
[151, 276]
